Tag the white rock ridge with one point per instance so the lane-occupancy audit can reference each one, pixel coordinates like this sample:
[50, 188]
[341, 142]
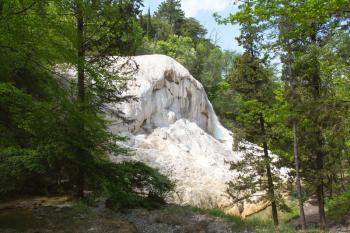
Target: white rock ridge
[167, 92]
[176, 130]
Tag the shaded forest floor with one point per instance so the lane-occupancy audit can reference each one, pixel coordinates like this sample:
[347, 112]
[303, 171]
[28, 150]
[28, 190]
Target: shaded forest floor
[291, 218]
[58, 214]
[311, 214]
[312, 219]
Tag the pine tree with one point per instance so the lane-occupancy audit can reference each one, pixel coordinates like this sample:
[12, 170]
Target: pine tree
[170, 11]
[54, 139]
[287, 59]
[253, 81]
[309, 26]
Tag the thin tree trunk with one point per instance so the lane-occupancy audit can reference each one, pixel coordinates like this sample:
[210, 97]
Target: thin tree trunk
[149, 23]
[342, 177]
[81, 52]
[319, 179]
[81, 84]
[268, 173]
[320, 191]
[320, 199]
[297, 181]
[330, 185]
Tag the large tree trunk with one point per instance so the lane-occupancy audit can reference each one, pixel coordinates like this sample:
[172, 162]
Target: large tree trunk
[268, 173]
[321, 212]
[318, 153]
[297, 181]
[81, 84]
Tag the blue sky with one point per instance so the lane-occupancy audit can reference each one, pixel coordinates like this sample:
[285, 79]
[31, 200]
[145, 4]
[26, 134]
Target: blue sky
[203, 11]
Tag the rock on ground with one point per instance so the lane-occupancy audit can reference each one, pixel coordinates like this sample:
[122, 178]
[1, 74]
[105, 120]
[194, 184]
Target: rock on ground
[53, 214]
[176, 219]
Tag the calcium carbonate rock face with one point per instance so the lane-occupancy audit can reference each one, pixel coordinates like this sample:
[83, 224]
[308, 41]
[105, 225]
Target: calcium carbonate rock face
[175, 130]
[167, 92]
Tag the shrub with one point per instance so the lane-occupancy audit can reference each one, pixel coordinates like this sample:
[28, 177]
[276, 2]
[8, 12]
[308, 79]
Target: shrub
[136, 184]
[339, 206]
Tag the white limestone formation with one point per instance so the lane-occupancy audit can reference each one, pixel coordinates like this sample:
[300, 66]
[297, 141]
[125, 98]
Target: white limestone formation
[167, 92]
[176, 130]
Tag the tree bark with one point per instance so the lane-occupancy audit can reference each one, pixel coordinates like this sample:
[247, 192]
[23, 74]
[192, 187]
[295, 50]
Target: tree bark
[149, 23]
[297, 181]
[321, 211]
[80, 51]
[81, 85]
[320, 191]
[330, 184]
[271, 191]
[319, 154]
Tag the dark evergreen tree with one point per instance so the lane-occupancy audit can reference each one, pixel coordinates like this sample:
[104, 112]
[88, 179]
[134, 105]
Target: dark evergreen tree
[305, 28]
[253, 80]
[54, 138]
[171, 12]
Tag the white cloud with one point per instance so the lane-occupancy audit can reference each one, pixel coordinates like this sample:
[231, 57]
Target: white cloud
[193, 7]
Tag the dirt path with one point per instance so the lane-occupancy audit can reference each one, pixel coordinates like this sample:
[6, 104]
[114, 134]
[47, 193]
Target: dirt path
[312, 219]
[311, 215]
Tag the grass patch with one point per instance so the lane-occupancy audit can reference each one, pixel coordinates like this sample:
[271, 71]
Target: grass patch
[339, 206]
[291, 212]
[256, 224]
[218, 213]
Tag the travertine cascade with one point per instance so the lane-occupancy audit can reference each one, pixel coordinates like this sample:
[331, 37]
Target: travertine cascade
[176, 130]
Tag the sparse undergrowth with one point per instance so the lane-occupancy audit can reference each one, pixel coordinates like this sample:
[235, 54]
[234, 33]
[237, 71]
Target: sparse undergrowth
[83, 217]
[338, 207]
[77, 218]
[255, 224]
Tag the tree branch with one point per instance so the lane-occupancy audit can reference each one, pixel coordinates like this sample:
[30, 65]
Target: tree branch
[25, 9]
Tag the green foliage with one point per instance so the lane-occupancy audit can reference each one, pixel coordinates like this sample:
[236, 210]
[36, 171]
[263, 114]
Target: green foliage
[213, 67]
[180, 48]
[135, 184]
[51, 143]
[249, 224]
[156, 28]
[169, 32]
[171, 12]
[37, 157]
[286, 214]
[339, 207]
[302, 34]
[193, 29]
[23, 147]
[253, 81]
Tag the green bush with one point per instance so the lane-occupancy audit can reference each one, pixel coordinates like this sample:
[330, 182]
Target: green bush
[133, 184]
[338, 207]
[43, 150]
